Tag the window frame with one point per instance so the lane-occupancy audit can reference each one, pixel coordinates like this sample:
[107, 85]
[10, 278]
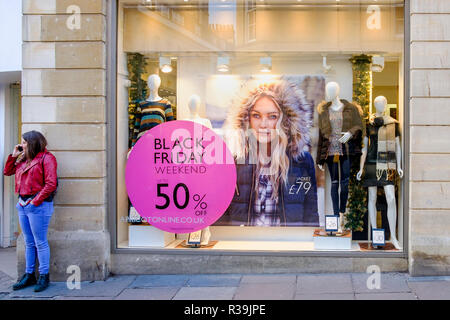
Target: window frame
[111, 151]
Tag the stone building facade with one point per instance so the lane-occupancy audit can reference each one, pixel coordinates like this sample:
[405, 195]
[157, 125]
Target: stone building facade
[65, 95]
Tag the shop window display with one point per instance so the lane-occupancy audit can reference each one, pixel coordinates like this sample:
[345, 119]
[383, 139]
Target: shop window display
[277, 81]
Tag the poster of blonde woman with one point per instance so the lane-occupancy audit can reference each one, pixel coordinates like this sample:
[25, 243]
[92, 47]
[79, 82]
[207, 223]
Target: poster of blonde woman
[268, 130]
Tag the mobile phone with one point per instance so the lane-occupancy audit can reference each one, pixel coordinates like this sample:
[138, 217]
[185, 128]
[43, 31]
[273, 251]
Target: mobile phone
[20, 148]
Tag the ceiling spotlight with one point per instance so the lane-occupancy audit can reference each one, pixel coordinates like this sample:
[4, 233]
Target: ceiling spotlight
[377, 63]
[165, 64]
[325, 65]
[223, 64]
[266, 64]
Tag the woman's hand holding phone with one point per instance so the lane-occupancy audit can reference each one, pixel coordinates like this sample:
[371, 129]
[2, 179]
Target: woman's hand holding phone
[18, 149]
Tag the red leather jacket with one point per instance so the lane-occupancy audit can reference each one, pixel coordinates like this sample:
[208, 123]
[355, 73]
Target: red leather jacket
[30, 179]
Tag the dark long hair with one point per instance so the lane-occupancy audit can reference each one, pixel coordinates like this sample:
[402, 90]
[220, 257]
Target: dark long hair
[36, 143]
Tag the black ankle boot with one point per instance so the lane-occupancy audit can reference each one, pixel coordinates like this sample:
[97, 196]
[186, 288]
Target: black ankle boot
[28, 279]
[42, 283]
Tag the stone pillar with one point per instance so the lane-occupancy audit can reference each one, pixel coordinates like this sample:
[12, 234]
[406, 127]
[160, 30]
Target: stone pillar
[429, 239]
[64, 96]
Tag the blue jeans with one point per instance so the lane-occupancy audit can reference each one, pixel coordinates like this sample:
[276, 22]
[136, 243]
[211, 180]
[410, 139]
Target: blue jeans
[34, 222]
[339, 200]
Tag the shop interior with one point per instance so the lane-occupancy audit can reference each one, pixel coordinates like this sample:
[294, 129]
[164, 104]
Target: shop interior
[210, 48]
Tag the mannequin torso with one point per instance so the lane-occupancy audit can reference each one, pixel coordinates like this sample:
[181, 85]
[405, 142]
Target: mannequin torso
[153, 111]
[194, 106]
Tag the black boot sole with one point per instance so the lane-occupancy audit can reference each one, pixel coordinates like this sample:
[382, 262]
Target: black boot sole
[23, 287]
[40, 289]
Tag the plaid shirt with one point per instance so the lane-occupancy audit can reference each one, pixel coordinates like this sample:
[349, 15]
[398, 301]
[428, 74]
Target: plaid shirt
[265, 208]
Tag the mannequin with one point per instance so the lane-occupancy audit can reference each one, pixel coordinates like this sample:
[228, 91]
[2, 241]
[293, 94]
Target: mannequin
[153, 111]
[153, 84]
[377, 121]
[194, 106]
[340, 127]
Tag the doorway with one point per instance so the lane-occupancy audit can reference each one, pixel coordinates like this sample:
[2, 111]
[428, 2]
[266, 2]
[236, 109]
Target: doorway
[10, 124]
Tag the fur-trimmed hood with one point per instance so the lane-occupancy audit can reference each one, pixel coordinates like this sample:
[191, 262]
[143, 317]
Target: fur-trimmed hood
[326, 104]
[296, 122]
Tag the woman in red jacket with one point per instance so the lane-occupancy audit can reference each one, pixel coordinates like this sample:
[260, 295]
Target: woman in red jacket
[36, 182]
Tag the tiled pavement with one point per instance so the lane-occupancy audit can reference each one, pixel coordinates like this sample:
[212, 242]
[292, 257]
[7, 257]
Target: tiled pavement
[345, 286]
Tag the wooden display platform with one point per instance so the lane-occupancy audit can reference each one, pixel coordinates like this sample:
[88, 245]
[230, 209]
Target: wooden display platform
[368, 247]
[183, 245]
[317, 232]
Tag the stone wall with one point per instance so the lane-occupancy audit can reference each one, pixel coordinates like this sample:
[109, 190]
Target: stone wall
[429, 229]
[64, 97]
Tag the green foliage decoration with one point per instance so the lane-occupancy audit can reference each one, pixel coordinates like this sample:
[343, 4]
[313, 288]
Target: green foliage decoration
[362, 86]
[138, 88]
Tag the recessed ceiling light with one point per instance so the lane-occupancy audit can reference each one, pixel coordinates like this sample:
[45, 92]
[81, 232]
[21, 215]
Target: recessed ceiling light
[266, 64]
[165, 64]
[223, 64]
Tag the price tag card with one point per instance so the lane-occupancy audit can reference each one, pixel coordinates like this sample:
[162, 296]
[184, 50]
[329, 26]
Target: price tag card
[195, 237]
[378, 237]
[180, 176]
[331, 223]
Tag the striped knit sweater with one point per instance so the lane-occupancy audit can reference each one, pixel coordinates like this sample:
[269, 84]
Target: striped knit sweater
[149, 114]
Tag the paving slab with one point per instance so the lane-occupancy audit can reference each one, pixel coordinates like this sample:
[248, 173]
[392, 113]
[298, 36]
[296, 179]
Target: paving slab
[145, 281]
[6, 287]
[112, 287]
[162, 293]
[269, 278]
[386, 296]
[8, 262]
[6, 283]
[389, 282]
[265, 291]
[215, 280]
[82, 298]
[324, 283]
[54, 289]
[428, 278]
[205, 293]
[431, 290]
[325, 296]
[28, 298]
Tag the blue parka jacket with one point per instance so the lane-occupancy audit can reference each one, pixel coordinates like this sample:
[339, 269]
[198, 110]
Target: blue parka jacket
[297, 201]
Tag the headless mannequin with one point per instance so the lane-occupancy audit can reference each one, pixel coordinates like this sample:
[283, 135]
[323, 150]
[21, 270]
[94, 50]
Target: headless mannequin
[194, 105]
[332, 91]
[153, 83]
[389, 190]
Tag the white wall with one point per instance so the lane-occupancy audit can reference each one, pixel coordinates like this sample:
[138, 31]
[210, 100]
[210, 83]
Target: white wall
[10, 72]
[10, 35]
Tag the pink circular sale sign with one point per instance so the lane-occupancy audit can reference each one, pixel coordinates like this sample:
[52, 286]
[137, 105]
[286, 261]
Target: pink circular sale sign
[180, 176]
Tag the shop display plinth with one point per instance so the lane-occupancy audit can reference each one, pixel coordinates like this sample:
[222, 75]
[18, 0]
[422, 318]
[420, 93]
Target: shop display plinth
[369, 247]
[327, 242]
[148, 236]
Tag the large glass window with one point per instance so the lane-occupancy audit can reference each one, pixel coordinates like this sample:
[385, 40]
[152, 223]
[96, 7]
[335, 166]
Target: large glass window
[328, 75]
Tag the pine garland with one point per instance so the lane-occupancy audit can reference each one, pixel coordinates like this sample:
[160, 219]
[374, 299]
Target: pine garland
[362, 86]
[138, 89]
